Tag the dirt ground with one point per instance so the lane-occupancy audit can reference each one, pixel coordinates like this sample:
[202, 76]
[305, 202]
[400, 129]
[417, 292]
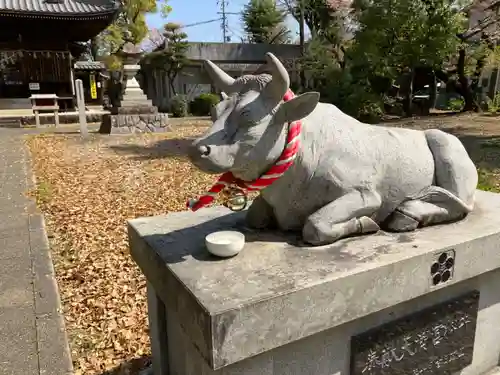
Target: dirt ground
[88, 190]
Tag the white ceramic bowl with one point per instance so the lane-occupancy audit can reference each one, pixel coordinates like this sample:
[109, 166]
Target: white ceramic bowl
[225, 243]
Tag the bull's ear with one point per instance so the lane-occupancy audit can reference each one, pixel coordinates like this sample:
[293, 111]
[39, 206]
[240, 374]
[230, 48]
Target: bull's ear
[297, 108]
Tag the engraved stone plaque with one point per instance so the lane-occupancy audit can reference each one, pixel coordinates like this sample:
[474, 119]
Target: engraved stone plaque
[437, 340]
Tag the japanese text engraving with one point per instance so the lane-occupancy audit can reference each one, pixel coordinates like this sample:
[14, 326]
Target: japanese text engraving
[438, 340]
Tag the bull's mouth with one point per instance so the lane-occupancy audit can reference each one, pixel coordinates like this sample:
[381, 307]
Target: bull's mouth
[209, 164]
[212, 159]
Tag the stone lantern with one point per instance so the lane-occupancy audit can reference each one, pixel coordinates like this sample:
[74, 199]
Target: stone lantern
[135, 113]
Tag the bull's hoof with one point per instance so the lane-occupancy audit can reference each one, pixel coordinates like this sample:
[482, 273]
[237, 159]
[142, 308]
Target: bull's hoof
[314, 235]
[367, 225]
[399, 222]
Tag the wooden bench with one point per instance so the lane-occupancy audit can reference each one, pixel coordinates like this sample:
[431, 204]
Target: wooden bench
[66, 102]
[45, 102]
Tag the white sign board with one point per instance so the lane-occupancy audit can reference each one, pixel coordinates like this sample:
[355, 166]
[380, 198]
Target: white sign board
[34, 86]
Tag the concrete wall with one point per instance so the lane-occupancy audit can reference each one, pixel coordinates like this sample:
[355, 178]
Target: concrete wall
[235, 58]
[239, 52]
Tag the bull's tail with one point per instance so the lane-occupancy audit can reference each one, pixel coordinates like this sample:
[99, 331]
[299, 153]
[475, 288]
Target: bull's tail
[454, 170]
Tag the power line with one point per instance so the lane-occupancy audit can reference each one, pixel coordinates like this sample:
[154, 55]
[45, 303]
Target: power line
[237, 33]
[201, 23]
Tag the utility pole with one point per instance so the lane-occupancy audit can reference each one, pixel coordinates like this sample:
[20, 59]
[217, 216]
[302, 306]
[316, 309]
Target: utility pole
[224, 26]
[302, 42]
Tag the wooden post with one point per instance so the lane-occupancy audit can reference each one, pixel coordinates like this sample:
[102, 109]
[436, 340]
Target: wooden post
[56, 117]
[72, 79]
[80, 102]
[37, 118]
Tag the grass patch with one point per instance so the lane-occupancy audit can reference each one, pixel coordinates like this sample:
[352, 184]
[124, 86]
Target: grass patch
[44, 192]
[492, 143]
[488, 181]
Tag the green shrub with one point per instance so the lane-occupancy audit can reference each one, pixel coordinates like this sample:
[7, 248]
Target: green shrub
[352, 96]
[487, 181]
[494, 104]
[179, 106]
[456, 104]
[202, 104]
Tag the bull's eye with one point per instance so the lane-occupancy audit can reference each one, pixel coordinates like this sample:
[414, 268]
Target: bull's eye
[246, 118]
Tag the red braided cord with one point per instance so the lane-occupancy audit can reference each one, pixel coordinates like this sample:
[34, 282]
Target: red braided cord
[275, 172]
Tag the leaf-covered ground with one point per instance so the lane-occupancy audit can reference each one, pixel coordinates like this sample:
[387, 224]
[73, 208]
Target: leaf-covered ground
[88, 190]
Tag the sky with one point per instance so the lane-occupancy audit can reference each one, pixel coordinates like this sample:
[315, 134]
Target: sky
[187, 12]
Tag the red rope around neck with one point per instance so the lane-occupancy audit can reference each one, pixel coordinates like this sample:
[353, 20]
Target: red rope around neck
[275, 172]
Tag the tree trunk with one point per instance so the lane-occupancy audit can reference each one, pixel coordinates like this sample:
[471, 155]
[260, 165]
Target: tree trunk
[465, 88]
[94, 48]
[171, 84]
[408, 100]
[433, 90]
[475, 84]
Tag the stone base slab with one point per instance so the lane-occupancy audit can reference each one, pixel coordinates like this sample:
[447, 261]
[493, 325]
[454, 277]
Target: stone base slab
[280, 309]
[135, 123]
[327, 352]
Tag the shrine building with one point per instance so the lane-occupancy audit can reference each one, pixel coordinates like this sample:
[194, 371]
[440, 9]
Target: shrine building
[40, 42]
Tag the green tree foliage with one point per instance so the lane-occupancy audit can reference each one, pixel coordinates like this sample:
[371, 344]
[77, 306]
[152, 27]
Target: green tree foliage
[406, 43]
[171, 57]
[337, 85]
[324, 18]
[264, 22]
[129, 26]
[395, 35]
[391, 39]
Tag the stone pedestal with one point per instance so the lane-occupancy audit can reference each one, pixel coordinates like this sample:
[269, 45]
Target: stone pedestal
[126, 122]
[370, 305]
[136, 113]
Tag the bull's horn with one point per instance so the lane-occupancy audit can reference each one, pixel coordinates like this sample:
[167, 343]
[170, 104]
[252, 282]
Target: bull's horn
[281, 80]
[219, 77]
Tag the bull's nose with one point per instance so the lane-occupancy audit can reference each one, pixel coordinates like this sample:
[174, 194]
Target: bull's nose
[204, 150]
[201, 150]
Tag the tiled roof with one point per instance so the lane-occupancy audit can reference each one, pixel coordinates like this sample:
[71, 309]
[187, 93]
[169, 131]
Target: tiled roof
[89, 65]
[59, 7]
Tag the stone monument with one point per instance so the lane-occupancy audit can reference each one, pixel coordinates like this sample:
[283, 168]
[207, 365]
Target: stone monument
[336, 178]
[405, 301]
[135, 113]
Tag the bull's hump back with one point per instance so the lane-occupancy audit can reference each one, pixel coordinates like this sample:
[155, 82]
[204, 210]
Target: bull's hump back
[405, 144]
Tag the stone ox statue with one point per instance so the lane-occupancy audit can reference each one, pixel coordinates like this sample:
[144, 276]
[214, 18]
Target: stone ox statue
[345, 177]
